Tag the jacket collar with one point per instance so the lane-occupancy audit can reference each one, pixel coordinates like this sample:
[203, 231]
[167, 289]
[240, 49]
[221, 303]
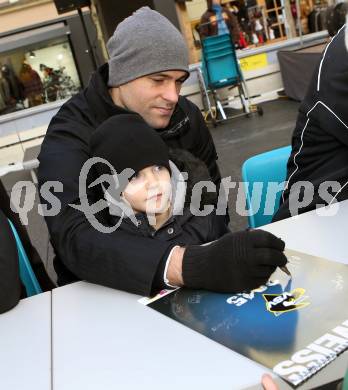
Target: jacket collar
[98, 96]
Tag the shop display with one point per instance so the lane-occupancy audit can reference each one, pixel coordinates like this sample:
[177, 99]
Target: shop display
[305, 10]
[264, 21]
[35, 75]
[218, 19]
[239, 9]
[11, 89]
[4, 92]
[57, 84]
[336, 18]
[258, 25]
[317, 18]
[31, 85]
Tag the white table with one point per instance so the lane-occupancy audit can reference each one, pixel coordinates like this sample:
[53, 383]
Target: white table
[316, 233]
[25, 345]
[105, 339]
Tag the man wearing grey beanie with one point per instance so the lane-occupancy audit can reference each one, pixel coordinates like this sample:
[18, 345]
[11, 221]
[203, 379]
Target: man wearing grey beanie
[147, 67]
[147, 44]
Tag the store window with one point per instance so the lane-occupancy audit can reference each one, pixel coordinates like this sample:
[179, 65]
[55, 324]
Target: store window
[37, 74]
[263, 22]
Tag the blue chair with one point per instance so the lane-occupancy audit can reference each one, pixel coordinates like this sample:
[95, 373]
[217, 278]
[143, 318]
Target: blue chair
[26, 272]
[262, 198]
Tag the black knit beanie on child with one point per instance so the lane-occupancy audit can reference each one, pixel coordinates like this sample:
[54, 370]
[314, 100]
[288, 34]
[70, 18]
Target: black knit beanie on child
[127, 141]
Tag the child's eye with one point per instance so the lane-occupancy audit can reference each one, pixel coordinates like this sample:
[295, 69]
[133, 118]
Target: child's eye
[158, 168]
[134, 177]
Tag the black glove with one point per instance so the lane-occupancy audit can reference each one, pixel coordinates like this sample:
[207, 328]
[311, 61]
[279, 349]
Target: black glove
[234, 263]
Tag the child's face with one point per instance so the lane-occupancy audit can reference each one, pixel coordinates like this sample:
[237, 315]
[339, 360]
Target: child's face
[149, 190]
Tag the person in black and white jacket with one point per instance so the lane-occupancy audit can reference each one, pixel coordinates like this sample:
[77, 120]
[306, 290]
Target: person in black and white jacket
[317, 170]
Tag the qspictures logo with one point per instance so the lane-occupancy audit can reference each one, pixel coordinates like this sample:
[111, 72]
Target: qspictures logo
[89, 202]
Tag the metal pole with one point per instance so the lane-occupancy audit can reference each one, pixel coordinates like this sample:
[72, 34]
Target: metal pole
[299, 25]
[90, 49]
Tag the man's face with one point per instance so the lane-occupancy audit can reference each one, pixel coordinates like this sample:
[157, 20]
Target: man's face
[154, 97]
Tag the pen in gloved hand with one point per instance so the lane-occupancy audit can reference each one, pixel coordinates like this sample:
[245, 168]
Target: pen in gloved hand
[285, 269]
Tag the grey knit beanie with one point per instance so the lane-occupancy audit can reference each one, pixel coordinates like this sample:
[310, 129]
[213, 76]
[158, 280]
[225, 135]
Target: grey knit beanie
[144, 43]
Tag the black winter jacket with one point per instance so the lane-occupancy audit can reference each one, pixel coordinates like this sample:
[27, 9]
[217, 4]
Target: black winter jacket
[320, 139]
[118, 260]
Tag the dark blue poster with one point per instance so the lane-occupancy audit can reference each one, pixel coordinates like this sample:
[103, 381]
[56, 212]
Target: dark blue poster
[295, 326]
